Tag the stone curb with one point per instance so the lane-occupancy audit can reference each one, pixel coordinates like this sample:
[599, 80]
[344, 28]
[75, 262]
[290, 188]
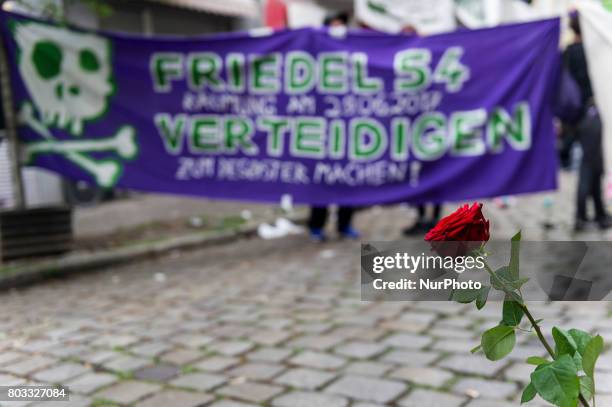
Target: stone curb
[22, 275]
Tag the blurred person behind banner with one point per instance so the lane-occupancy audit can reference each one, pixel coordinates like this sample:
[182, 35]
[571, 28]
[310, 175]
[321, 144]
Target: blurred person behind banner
[319, 214]
[424, 223]
[595, 22]
[568, 109]
[588, 133]
[337, 20]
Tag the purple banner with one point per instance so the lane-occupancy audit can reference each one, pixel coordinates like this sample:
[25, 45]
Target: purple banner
[326, 116]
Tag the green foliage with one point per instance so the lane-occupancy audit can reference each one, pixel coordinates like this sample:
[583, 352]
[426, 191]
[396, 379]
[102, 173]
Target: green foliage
[587, 387]
[483, 294]
[564, 343]
[470, 295]
[503, 280]
[591, 353]
[575, 343]
[188, 369]
[564, 381]
[500, 279]
[557, 382]
[536, 360]
[498, 342]
[581, 339]
[100, 402]
[515, 250]
[512, 313]
[528, 394]
[584, 350]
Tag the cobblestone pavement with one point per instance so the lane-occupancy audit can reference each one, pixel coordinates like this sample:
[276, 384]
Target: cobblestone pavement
[275, 323]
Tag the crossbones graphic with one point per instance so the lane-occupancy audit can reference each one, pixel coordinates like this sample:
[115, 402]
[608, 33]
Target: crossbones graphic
[105, 172]
[69, 77]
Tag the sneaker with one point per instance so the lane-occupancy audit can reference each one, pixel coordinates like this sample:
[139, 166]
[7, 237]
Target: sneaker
[604, 223]
[579, 226]
[350, 233]
[317, 235]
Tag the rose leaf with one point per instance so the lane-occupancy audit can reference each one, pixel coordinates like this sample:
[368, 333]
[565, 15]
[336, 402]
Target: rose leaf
[591, 354]
[587, 387]
[557, 382]
[512, 313]
[528, 394]
[498, 342]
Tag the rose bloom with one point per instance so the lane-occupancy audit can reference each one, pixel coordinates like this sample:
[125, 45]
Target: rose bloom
[466, 224]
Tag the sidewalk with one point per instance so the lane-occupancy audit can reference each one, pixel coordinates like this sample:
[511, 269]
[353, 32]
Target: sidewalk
[144, 226]
[144, 217]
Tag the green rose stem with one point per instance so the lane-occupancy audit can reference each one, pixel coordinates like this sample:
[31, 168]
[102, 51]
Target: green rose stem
[537, 329]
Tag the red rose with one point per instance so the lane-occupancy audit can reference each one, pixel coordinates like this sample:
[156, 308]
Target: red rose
[466, 224]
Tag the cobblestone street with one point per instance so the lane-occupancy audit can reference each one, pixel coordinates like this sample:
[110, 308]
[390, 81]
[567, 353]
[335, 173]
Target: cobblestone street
[278, 323]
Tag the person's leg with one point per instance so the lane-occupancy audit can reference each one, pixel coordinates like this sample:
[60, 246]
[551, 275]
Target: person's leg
[437, 211]
[601, 214]
[345, 219]
[316, 222]
[600, 211]
[584, 187]
[567, 142]
[421, 212]
[421, 223]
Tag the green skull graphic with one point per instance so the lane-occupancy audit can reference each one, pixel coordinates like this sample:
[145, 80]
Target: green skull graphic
[69, 77]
